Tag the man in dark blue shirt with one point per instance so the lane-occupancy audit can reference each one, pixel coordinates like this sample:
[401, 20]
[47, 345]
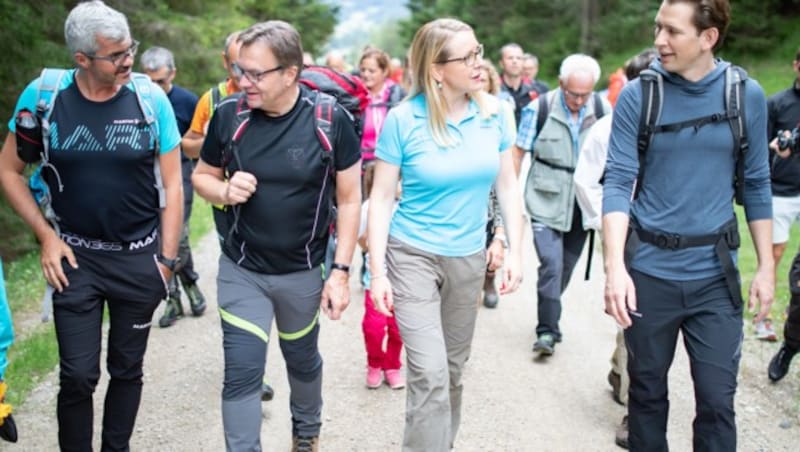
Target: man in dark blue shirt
[159, 64]
[682, 277]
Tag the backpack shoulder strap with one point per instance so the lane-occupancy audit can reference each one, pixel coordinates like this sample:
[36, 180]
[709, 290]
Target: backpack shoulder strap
[49, 85]
[543, 112]
[599, 111]
[735, 78]
[143, 88]
[324, 104]
[652, 84]
[218, 92]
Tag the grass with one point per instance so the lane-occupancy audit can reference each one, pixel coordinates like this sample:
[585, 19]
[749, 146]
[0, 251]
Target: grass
[35, 352]
[747, 267]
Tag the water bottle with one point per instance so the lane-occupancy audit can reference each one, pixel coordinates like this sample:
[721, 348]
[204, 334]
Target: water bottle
[29, 136]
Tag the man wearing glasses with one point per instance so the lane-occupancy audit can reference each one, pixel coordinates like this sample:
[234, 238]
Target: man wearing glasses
[159, 64]
[554, 140]
[280, 191]
[117, 243]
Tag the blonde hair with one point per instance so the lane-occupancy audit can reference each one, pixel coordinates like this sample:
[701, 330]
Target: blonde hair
[428, 47]
[494, 77]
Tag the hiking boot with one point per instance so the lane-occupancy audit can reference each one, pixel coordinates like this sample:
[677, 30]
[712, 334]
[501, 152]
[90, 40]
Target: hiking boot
[374, 377]
[621, 434]
[765, 332]
[490, 297]
[615, 381]
[8, 431]
[267, 393]
[394, 378]
[305, 443]
[545, 344]
[196, 299]
[779, 365]
[172, 312]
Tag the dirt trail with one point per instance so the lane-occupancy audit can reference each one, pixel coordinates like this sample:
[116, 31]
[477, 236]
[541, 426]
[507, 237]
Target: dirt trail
[511, 403]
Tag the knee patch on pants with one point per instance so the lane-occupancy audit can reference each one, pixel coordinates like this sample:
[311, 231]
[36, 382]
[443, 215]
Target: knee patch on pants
[303, 360]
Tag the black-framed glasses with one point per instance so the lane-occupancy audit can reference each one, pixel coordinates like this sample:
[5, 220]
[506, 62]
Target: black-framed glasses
[577, 96]
[253, 76]
[469, 60]
[118, 58]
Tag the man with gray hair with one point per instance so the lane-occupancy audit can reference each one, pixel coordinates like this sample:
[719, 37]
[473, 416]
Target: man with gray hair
[118, 208]
[553, 128]
[159, 64]
[290, 153]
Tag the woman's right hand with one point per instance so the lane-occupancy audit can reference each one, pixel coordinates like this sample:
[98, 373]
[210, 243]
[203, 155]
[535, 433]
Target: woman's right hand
[381, 292]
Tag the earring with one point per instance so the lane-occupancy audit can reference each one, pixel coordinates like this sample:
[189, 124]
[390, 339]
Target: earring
[439, 84]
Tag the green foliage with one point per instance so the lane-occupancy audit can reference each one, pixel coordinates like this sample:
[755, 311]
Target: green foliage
[194, 30]
[552, 29]
[29, 360]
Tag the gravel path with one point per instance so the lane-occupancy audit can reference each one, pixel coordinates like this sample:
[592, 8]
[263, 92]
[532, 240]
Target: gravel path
[512, 402]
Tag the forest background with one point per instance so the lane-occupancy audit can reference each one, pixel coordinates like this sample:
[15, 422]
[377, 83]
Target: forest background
[763, 38]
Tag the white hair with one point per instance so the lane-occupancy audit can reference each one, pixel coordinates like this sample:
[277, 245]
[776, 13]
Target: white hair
[155, 58]
[579, 63]
[90, 20]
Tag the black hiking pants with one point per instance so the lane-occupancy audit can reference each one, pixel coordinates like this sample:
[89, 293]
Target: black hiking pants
[711, 325]
[131, 284]
[791, 330]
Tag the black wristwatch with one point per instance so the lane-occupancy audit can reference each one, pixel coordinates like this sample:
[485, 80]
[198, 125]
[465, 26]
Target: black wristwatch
[171, 264]
[341, 267]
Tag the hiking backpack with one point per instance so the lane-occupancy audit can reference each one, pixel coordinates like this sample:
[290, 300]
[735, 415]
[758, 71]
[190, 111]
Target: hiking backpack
[349, 91]
[652, 84]
[50, 84]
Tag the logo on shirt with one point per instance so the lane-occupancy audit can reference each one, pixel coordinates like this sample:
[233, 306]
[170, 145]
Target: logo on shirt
[130, 134]
[295, 157]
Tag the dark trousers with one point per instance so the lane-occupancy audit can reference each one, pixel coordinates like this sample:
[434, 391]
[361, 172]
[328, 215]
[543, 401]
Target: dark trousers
[704, 312]
[558, 253]
[185, 271]
[791, 330]
[132, 286]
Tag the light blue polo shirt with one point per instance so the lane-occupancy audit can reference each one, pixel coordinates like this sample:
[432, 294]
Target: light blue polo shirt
[445, 190]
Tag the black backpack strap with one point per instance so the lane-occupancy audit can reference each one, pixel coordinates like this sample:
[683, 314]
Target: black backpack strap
[542, 113]
[735, 78]
[599, 111]
[652, 94]
[324, 106]
[230, 153]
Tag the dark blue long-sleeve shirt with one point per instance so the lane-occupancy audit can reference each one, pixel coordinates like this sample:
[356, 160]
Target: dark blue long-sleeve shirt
[688, 179]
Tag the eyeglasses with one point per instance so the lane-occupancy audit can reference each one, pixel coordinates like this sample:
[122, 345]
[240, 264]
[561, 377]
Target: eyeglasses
[577, 96]
[468, 60]
[119, 57]
[254, 77]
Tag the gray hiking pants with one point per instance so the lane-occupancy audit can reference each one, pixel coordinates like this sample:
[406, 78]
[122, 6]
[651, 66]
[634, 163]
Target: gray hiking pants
[435, 307]
[248, 301]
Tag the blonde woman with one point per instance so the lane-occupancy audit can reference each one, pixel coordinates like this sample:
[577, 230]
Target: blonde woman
[449, 141]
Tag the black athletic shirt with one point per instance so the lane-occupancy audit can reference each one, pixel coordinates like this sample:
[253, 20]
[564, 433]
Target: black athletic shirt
[784, 114]
[284, 226]
[104, 153]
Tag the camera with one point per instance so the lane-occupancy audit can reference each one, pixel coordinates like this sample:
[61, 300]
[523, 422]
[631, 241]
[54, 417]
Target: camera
[789, 141]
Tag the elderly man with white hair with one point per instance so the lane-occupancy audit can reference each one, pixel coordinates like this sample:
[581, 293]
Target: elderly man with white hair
[552, 128]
